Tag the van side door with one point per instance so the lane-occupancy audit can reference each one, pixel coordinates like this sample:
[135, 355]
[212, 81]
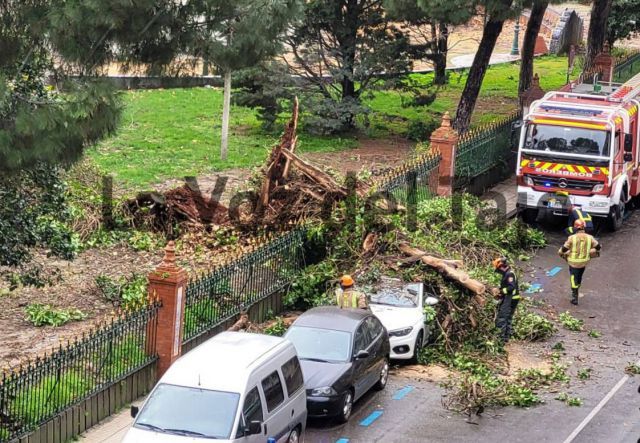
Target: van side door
[277, 423]
[251, 411]
[296, 406]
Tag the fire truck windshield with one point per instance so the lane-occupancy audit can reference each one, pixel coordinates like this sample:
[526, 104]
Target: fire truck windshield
[567, 140]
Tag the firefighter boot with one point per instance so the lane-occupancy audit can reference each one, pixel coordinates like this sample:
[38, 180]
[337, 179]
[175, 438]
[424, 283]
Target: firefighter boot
[574, 296]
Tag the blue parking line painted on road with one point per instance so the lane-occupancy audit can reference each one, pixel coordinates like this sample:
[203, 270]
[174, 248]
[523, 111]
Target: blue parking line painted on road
[533, 288]
[554, 271]
[402, 392]
[371, 418]
[343, 440]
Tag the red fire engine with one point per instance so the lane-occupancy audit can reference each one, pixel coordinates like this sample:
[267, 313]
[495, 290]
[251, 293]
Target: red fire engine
[581, 146]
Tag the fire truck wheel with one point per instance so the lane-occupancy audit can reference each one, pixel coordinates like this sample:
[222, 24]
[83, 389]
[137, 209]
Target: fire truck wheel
[616, 216]
[528, 215]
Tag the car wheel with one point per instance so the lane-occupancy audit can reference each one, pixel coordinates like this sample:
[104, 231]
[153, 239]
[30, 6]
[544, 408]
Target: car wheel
[616, 217]
[417, 347]
[384, 376]
[346, 408]
[294, 437]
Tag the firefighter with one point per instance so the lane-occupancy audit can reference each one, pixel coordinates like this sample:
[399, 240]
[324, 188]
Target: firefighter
[348, 297]
[509, 296]
[578, 250]
[576, 213]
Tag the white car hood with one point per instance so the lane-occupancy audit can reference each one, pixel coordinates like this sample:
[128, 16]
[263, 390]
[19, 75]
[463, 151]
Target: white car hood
[136, 435]
[397, 318]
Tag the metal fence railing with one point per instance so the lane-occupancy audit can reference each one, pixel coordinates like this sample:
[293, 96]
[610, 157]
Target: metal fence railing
[226, 291]
[34, 393]
[626, 67]
[482, 149]
[415, 180]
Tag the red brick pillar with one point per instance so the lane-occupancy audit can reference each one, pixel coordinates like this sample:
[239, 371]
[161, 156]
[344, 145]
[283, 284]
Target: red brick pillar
[168, 283]
[532, 93]
[604, 63]
[444, 140]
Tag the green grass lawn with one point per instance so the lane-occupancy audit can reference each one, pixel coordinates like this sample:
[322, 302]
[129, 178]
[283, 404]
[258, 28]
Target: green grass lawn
[176, 132]
[172, 133]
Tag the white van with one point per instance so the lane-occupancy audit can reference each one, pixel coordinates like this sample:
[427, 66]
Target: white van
[235, 387]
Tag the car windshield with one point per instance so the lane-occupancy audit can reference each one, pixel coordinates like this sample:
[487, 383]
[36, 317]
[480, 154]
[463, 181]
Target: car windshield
[404, 298]
[567, 140]
[189, 411]
[320, 344]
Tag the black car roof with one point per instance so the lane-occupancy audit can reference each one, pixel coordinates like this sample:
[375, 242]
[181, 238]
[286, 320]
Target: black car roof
[332, 317]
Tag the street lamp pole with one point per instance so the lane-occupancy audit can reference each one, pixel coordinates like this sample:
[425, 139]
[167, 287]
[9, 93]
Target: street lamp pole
[516, 33]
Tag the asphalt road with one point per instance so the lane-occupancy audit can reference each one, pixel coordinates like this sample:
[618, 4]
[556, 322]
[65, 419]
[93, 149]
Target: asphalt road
[611, 408]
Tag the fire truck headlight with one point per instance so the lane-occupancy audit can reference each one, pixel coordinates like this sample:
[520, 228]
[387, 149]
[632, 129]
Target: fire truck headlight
[598, 187]
[528, 180]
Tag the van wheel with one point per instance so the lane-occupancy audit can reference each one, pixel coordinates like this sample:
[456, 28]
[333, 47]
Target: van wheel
[294, 437]
[384, 376]
[346, 408]
[616, 216]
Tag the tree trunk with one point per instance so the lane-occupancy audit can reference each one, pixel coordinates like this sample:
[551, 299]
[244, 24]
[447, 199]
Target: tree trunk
[440, 55]
[529, 44]
[226, 105]
[478, 69]
[597, 30]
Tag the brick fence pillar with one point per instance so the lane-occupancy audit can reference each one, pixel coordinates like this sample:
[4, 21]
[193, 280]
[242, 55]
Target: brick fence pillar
[604, 63]
[532, 93]
[444, 140]
[168, 283]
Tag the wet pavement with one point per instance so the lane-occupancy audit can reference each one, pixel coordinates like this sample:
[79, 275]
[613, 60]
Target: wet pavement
[611, 402]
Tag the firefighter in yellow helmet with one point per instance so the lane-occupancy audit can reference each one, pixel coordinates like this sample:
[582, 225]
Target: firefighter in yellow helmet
[578, 250]
[348, 297]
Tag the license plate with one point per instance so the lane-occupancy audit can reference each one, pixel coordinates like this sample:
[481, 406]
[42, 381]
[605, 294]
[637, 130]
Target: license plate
[554, 204]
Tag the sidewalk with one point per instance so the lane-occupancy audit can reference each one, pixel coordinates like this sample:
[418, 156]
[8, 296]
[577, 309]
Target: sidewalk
[112, 429]
[509, 191]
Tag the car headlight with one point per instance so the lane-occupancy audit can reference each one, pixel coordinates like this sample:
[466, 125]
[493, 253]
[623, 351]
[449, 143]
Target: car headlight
[326, 391]
[598, 188]
[528, 180]
[401, 332]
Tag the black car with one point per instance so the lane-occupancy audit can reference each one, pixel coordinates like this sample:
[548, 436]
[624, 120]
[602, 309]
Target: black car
[343, 354]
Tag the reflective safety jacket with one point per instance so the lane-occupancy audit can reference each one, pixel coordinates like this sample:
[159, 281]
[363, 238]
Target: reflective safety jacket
[350, 298]
[579, 214]
[577, 249]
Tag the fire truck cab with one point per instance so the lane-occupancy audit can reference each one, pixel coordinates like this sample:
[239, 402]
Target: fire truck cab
[581, 147]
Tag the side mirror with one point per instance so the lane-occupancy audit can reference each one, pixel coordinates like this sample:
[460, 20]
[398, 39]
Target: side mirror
[431, 301]
[134, 411]
[628, 143]
[517, 124]
[362, 354]
[254, 428]
[628, 157]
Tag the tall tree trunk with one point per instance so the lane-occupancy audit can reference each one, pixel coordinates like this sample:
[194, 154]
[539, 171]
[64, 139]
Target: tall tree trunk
[597, 30]
[490, 34]
[226, 105]
[529, 44]
[440, 55]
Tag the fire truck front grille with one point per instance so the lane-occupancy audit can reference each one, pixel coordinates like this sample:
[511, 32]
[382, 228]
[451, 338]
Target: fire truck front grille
[564, 183]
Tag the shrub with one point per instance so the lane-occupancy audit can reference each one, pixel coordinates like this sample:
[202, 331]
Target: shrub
[420, 130]
[41, 315]
[129, 293]
[278, 328]
[199, 314]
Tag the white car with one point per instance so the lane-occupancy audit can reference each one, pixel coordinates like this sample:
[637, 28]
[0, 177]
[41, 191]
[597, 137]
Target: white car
[400, 308]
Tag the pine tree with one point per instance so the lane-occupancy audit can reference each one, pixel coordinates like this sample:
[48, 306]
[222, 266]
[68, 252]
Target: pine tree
[497, 11]
[428, 23]
[339, 49]
[237, 34]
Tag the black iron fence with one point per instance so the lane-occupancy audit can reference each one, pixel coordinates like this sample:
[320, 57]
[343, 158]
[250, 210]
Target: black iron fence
[37, 392]
[626, 67]
[232, 288]
[413, 181]
[486, 150]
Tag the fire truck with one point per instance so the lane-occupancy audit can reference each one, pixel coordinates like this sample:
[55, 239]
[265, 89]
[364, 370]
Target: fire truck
[581, 146]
